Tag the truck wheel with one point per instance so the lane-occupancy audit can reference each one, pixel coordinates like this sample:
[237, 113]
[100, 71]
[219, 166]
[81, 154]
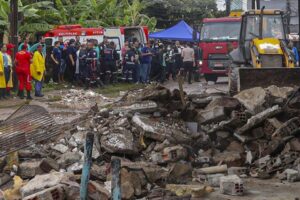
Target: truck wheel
[211, 77]
[233, 80]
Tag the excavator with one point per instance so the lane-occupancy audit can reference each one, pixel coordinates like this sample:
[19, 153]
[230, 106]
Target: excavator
[262, 57]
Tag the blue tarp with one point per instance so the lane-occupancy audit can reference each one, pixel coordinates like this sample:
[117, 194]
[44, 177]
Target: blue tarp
[181, 31]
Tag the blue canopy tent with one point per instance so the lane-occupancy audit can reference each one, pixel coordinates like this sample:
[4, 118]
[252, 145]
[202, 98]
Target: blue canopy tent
[181, 32]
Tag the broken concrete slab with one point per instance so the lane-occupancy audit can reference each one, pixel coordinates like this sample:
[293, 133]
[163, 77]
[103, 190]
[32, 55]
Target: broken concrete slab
[41, 182]
[142, 107]
[229, 103]
[29, 169]
[61, 148]
[253, 99]
[255, 120]
[145, 125]
[97, 191]
[118, 141]
[48, 164]
[280, 92]
[289, 128]
[69, 158]
[211, 115]
[153, 172]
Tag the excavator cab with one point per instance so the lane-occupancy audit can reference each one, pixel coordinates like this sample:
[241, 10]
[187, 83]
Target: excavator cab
[262, 58]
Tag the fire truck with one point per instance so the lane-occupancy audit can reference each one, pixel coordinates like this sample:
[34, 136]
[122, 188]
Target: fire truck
[117, 34]
[218, 37]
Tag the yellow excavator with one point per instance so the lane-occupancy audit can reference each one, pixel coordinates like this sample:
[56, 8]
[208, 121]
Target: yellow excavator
[263, 57]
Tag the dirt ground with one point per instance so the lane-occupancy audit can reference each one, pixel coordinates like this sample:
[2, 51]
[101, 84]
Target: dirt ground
[255, 189]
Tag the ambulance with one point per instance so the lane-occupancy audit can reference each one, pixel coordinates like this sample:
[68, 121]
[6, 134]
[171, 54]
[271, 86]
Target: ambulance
[117, 34]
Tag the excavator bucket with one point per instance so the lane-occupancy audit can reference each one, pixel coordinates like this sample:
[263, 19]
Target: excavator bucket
[264, 77]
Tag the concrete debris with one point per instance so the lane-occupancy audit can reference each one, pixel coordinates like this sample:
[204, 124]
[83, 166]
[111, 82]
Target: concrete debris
[118, 141]
[280, 92]
[82, 98]
[253, 99]
[166, 150]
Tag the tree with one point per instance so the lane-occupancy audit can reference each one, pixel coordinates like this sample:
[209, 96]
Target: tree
[37, 17]
[169, 12]
[93, 13]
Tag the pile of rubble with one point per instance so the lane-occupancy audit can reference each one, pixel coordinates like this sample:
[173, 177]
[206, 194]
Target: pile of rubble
[82, 98]
[168, 148]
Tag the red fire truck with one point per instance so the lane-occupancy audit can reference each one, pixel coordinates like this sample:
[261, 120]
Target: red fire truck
[217, 36]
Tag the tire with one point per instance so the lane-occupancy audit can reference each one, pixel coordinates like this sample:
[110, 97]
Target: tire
[211, 77]
[233, 77]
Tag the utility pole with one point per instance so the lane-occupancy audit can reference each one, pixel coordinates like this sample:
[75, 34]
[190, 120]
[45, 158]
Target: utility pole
[299, 18]
[14, 25]
[14, 35]
[228, 4]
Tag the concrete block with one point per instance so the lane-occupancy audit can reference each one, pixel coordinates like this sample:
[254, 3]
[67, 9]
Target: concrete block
[47, 164]
[231, 185]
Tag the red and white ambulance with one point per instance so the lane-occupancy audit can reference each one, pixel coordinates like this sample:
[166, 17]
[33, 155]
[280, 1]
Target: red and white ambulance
[117, 34]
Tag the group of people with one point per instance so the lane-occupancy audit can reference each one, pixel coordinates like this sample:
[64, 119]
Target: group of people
[92, 64]
[160, 61]
[27, 67]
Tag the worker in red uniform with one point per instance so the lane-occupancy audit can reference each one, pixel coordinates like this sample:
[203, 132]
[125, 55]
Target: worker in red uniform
[22, 62]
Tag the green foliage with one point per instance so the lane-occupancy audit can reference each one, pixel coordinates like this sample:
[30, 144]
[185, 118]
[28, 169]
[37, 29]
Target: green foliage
[168, 12]
[38, 16]
[43, 15]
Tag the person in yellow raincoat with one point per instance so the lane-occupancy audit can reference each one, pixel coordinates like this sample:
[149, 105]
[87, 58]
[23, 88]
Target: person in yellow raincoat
[37, 70]
[2, 77]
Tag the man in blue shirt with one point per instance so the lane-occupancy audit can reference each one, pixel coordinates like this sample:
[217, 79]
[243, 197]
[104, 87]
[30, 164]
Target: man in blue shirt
[56, 58]
[71, 59]
[146, 63]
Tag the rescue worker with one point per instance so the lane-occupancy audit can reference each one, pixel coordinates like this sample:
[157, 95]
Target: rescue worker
[82, 53]
[56, 56]
[71, 59]
[110, 57]
[77, 42]
[2, 78]
[22, 63]
[7, 69]
[129, 60]
[170, 60]
[37, 69]
[91, 71]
